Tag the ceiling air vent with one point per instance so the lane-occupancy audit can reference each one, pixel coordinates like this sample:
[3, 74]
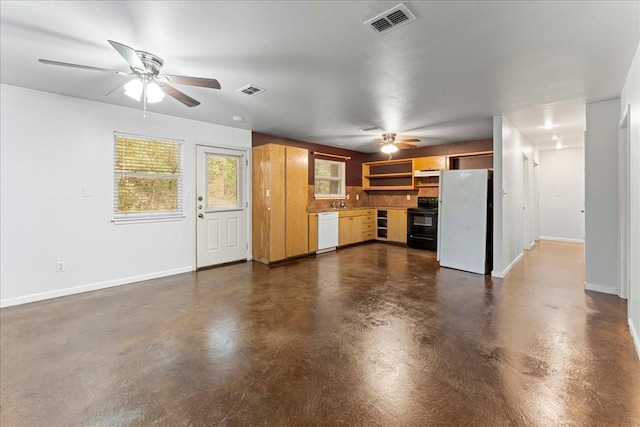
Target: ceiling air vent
[369, 129]
[391, 19]
[251, 90]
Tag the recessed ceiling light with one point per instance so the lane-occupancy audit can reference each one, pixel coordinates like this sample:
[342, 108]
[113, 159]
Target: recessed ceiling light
[548, 125]
[340, 144]
[237, 118]
[558, 145]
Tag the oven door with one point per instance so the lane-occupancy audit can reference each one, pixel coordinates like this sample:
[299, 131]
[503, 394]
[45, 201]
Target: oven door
[422, 222]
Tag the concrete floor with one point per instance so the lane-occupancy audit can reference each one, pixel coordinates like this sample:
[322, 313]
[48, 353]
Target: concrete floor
[370, 335]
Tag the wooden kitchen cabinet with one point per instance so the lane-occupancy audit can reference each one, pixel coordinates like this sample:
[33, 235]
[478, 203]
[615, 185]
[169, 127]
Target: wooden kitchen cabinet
[368, 225]
[430, 163]
[349, 228]
[313, 233]
[280, 224]
[397, 225]
[388, 175]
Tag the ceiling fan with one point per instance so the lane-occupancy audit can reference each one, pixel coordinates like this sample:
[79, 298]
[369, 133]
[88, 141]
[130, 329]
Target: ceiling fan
[389, 144]
[147, 83]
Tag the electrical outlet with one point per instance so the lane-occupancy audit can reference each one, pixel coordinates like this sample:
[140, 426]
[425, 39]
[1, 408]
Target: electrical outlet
[357, 197]
[60, 267]
[408, 196]
[347, 197]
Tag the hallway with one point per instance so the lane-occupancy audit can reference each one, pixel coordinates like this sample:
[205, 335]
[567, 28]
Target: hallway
[369, 335]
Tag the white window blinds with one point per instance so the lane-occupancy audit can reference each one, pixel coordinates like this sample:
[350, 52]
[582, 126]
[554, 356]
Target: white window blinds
[147, 178]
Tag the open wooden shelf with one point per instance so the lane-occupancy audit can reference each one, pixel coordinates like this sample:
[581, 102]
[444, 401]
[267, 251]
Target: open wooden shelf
[399, 174]
[389, 175]
[391, 187]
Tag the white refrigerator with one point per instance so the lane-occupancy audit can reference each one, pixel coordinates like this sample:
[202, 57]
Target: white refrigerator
[462, 219]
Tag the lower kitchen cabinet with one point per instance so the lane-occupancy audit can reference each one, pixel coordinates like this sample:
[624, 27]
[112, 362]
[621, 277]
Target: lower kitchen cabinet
[397, 225]
[313, 232]
[349, 229]
[368, 225]
[355, 226]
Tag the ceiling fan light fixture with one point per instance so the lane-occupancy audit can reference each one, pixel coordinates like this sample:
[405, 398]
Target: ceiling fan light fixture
[154, 93]
[135, 88]
[389, 148]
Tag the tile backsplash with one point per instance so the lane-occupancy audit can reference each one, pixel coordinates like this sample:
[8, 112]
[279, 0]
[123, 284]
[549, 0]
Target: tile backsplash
[373, 198]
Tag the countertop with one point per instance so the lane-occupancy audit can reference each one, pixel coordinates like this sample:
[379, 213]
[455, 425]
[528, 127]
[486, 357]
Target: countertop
[354, 208]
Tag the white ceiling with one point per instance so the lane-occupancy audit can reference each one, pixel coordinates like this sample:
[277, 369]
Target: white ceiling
[440, 78]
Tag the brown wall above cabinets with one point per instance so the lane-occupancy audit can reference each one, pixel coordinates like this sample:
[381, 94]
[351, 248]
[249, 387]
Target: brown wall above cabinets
[449, 149]
[353, 166]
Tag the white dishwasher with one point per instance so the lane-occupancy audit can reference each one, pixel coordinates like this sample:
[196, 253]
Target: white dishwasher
[327, 231]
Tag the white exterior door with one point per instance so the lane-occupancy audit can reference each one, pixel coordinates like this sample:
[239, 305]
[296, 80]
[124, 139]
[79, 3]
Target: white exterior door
[221, 206]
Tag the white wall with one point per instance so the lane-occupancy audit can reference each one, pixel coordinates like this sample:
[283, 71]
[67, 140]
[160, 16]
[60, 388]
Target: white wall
[53, 146]
[509, 195]
[561, 180]
[601, 197]
[631, 96]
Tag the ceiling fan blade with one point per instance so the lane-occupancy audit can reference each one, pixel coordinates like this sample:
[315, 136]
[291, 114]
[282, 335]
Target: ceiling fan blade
[115, 89]
[409, 140]
[193, 81]
[84, 67]
[175, 93]
[129, 54]
[403, 144]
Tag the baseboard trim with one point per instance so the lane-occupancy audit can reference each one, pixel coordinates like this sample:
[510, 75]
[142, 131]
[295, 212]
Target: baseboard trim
[600, 288]
[8, 302]
[561, 239]
[634, 337]
[502, 274]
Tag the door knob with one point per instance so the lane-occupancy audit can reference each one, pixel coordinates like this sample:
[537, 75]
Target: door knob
[200, 216]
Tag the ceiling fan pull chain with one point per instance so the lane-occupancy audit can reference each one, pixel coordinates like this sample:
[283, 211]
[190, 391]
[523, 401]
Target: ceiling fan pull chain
[144, 99]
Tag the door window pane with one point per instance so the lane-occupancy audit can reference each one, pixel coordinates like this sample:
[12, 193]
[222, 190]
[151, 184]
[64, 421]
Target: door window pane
[222, 181]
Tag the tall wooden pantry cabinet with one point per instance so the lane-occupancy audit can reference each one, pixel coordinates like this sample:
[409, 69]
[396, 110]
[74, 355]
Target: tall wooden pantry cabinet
[280, 194]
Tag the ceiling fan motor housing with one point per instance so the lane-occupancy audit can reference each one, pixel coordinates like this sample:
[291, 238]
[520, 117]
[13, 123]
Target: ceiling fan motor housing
[151, 62]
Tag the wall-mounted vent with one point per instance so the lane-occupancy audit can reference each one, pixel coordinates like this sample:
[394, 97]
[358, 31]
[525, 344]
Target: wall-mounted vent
[391, 19]
[251, 90]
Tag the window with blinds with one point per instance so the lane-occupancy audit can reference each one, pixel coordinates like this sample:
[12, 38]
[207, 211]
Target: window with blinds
[147, 178]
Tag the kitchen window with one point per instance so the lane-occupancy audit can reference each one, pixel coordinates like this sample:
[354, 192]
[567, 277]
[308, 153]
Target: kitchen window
[329, 179]
[147, 179]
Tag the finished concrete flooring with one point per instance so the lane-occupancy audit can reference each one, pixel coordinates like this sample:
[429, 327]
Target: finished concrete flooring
[372, 335]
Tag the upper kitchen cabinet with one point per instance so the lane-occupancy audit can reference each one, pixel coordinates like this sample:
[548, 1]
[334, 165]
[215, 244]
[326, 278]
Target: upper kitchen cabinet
[280, 186]
[430, 163]
[426, 170]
